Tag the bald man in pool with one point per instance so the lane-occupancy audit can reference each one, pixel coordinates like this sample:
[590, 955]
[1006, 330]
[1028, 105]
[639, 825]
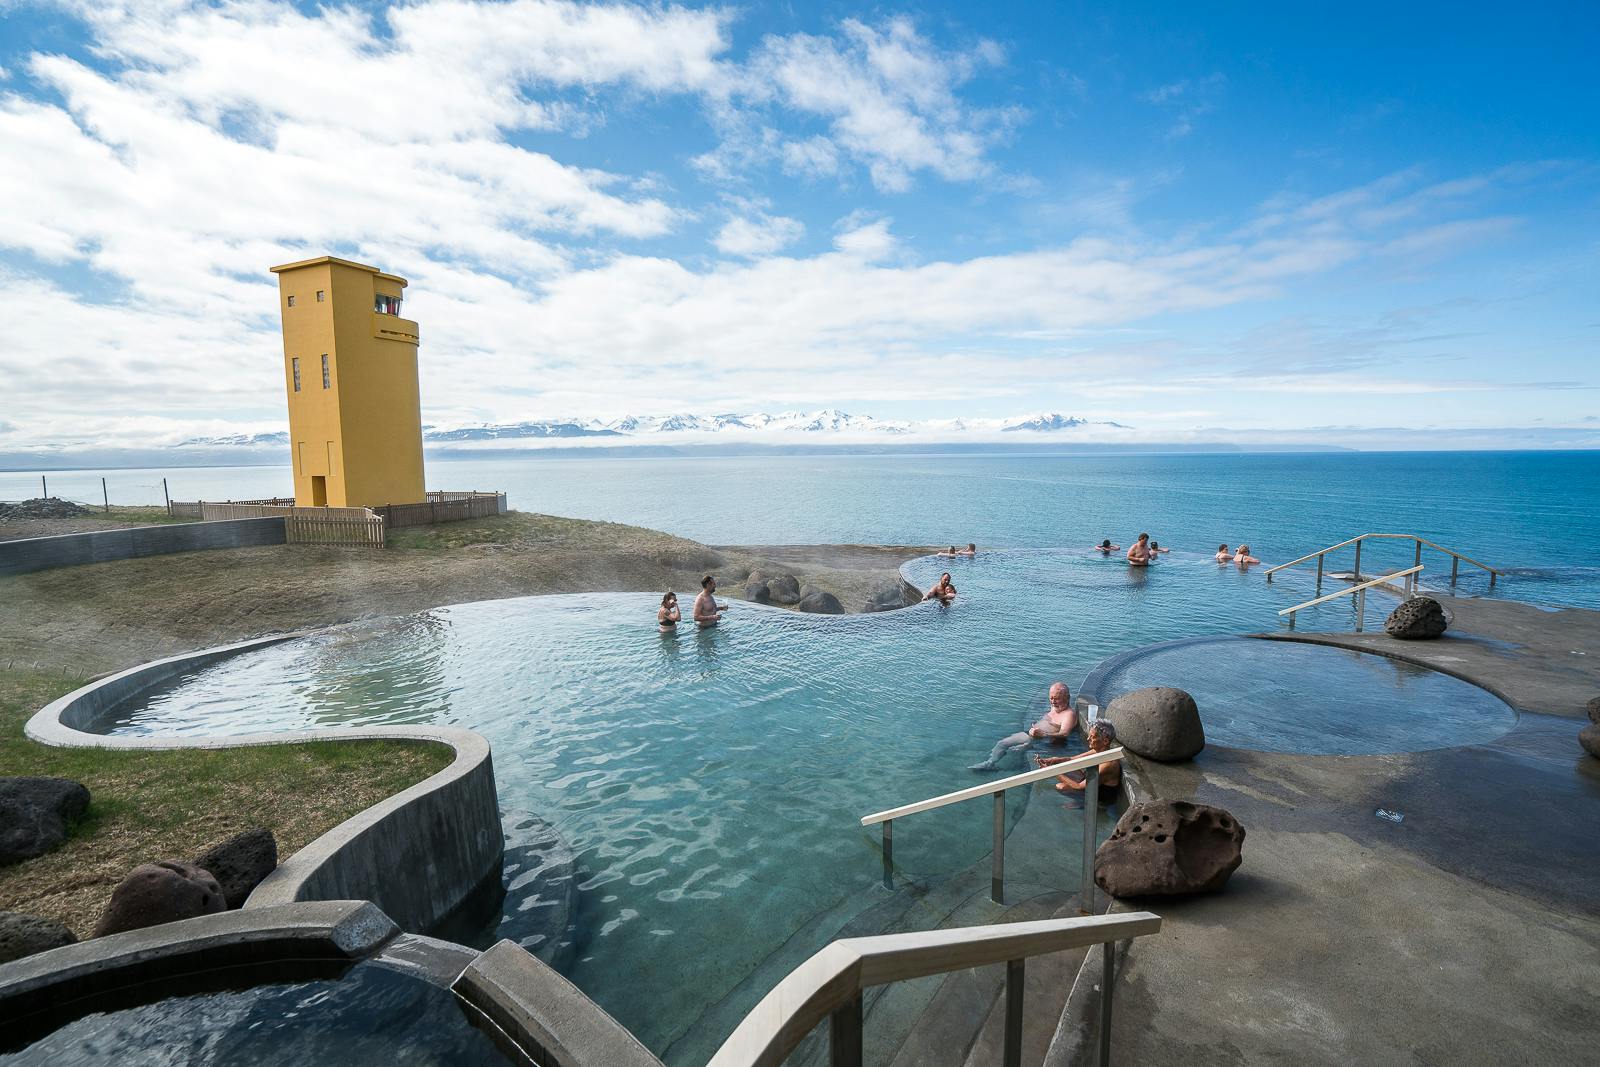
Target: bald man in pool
[1055, 727]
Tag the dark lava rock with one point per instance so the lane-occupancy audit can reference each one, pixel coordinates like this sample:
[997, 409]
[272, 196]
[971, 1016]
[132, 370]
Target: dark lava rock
[1589, 738]
[1416, 619]
[1169, 848]
[1594, 711]
[784, 589]
[42, 508]
[157, 893]
[23, 935]
[821, 602]
[757, 591]
[240, 863]
[1158, 723]
[892, 595]
[34, 814]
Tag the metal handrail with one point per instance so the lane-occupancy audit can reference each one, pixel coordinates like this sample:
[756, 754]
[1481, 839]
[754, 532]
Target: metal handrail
[1361, 607]
[829, 985]
[1088, 763]
[1455, 557]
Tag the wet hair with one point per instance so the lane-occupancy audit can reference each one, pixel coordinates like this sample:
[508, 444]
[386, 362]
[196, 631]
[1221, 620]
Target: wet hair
[1102, 726]
[1144, 537]
[1106, 543]
[707, 580]
[952, 549]
[944, 579]
[668, 595]
[1155, 544]
[1064, 687]
[1223, 547]
[1245, 549]
[972, 546]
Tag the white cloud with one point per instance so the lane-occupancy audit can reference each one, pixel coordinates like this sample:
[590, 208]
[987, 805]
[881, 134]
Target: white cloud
[758, 235]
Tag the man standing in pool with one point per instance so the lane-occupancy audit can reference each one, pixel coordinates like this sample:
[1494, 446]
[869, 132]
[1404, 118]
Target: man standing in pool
[1055, 727]
[707, 612]
[1139, 552]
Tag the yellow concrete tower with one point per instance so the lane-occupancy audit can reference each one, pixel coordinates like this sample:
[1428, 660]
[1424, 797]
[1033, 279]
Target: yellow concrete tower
[350, 366]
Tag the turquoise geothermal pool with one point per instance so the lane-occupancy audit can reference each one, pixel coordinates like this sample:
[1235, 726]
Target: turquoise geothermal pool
[709, 785]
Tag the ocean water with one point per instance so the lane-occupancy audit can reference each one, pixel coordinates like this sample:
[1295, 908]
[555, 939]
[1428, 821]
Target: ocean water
[711, 783]
[1535, 515]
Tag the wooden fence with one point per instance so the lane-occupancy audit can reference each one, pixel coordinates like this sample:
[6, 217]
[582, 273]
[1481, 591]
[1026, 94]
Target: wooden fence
[346, 526]
[443, 507]
[317, 526]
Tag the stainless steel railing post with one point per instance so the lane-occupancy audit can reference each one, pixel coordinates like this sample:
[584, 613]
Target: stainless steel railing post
[1107, 976]
[1319, 572]
[844, 1034]
[1358, 561]
[888, 853]
[1411, 579]
[997, 874]
[1013, 1049]
[1091, 803]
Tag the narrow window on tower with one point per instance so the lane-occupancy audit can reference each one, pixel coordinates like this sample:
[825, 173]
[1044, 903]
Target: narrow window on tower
[320, 296]
[326, 383]
[296, 362]
[291, 301]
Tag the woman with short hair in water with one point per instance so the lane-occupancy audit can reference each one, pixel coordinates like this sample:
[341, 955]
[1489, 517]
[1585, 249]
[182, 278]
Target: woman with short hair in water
[1243, 557]
[1102, 735]
[944, 591]
[667, 615]
[1223, 555]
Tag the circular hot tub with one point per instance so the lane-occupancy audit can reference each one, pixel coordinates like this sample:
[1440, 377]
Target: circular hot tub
[1288, 696]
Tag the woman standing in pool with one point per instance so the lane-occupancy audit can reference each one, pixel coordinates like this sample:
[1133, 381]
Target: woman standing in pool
[1223, 555]
[667, 615]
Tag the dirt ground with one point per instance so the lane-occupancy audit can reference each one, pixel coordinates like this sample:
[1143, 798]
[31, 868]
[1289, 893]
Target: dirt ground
[117, 518]
[98, 617]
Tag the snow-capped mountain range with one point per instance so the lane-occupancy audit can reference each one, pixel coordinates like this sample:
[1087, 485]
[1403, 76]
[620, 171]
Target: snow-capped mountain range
[752, 426]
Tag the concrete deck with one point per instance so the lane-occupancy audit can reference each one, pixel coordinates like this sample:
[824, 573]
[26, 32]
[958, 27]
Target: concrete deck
[1469, 933]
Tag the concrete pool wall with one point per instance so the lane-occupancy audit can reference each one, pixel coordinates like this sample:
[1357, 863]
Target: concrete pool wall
[419, 855]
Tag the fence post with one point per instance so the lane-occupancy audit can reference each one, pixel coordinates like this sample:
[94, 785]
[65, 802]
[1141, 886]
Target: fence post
[105, 497]
[1358, 562]
[844, 1034]
[1015, 973]
[44, 487]
[167, 497]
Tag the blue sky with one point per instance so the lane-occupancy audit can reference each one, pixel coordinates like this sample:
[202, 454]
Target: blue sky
[1376, 225]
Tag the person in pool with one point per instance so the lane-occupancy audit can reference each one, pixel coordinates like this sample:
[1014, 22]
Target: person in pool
[951, 552]
[1055, 727]
[707, 612]
[1155, 548]
[1105, 548]
[944, 591]
[1243, 557]
[1102, 735]
[970, 551]
[668, 615]
[1223, 555]
[1139, 552]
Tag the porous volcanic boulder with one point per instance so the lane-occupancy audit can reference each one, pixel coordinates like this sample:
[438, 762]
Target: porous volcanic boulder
[1169, 848]
[784, 589]
[240, 863]
[1594, 711]
[23, 935]
[157, 893]
[1589, 738]
[757, 592]
[821, 602]
[1159, 723]
[1417, 619]
[891, 595]
[35, 813]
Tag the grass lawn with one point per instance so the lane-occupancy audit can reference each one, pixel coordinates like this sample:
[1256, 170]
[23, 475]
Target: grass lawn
[150, 806]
